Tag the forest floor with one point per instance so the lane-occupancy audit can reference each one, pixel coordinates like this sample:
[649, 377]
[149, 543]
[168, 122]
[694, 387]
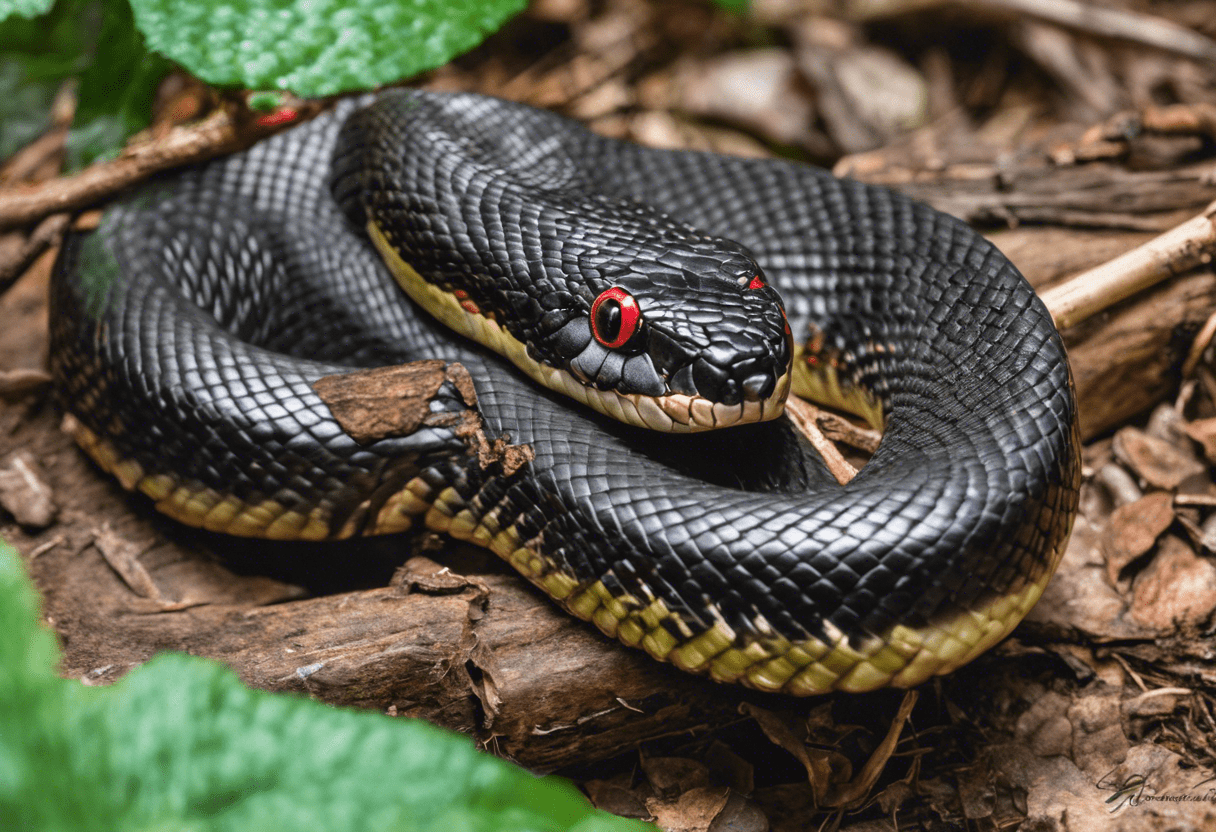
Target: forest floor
[1067, 134]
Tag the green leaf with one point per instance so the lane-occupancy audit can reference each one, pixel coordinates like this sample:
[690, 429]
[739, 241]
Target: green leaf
[89, 40]
[38, 55]
[180, 744]
[117, 89]
[24, 105]
[737, 6]
[316, 47]
[24, 8]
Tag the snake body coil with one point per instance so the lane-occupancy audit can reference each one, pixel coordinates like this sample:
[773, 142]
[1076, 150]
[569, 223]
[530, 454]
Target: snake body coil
[188, 331]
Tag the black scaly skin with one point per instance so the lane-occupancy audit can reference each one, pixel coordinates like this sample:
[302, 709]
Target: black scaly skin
[970, 497]
[506, 204]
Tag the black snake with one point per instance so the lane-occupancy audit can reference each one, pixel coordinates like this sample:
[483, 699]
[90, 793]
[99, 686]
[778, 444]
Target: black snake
[189, 329]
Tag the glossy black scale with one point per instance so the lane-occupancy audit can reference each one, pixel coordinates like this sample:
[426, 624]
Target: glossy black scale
[969, 497]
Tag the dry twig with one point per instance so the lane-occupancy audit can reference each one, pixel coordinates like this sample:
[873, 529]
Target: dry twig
[1090, 18]
[220, 133]
[1174, 252]
[803, 415]
[44, 236]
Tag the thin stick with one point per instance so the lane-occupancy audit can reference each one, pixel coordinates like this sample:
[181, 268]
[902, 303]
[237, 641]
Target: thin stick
[1106, 22]
[803, 414]
[1091, 19]
[47, 234]
[1177, 250]
[218, 134]
[1199, 345]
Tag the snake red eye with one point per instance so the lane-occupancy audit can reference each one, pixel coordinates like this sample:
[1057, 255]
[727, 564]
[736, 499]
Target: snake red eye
[614, 317]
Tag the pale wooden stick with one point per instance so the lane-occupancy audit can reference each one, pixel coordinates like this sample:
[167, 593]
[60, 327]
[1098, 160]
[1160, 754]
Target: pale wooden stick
[1177, 250]
[803, 414]
[1089, 18]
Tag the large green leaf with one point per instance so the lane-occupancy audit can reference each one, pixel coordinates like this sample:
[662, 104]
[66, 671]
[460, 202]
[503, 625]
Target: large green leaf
[117, 88]
[180, 744]
[316, 47]
[24, 8]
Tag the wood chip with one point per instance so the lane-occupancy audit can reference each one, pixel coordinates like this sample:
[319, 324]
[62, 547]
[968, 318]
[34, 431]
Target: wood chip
[24, 492]
[18, 382]
[123, 557]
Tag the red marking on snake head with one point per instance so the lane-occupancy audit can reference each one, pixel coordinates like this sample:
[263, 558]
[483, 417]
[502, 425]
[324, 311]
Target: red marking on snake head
[283, 115]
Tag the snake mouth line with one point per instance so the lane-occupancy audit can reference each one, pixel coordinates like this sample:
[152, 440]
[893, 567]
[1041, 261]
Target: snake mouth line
[671, 413]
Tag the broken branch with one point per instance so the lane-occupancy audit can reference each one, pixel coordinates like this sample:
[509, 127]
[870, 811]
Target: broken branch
[218, 134]
[1182, 248]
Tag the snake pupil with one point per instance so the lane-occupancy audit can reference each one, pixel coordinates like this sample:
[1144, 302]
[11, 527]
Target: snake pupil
[608, 320]
[614, 317]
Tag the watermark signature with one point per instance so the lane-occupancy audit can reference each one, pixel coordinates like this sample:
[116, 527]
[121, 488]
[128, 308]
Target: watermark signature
[1134, 790]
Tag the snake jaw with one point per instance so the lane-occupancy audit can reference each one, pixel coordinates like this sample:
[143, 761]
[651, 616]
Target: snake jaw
[664, 409]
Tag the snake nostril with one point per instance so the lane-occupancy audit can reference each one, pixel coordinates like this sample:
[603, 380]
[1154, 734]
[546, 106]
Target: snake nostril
[758, 387]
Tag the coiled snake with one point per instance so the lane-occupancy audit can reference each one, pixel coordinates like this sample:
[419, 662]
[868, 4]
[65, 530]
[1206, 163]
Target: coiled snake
[188, 331]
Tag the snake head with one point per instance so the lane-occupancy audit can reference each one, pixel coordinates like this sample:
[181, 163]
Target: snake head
[687, 339]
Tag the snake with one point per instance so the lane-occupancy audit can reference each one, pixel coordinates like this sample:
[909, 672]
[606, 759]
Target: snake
[630, 318]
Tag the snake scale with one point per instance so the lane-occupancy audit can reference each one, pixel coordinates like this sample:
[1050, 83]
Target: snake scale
[189, 328]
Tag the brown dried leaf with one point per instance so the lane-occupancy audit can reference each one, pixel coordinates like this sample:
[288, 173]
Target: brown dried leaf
[1078, 598]
[855, 791]
[1133, 529]
[1177, 589]
[740, 815]
[725, 766]
[1045, 727]
[692, 811]
[1099, 743]
[1203, 431]
[976, 791]
[823, 769]
[615, 798]
[672, 776]
[1156, 461]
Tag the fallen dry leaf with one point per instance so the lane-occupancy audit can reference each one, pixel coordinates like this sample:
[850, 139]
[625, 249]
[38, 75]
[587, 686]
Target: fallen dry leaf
[692, 811]
[1203, 431]
[1154, 460]
[1134, 529]
[1178, 588]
